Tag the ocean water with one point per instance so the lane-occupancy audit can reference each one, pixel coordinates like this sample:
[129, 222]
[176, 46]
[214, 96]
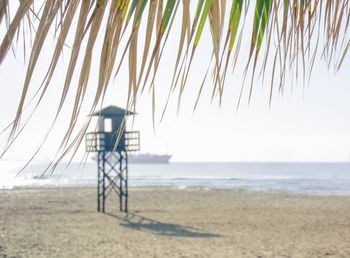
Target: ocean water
[308, 178]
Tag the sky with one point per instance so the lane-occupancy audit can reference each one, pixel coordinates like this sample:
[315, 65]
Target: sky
[308, 123]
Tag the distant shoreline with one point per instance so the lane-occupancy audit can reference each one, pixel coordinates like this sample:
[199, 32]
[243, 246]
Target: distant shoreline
[170, 188]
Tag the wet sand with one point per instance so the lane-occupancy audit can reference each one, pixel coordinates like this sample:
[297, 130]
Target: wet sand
[63, 222]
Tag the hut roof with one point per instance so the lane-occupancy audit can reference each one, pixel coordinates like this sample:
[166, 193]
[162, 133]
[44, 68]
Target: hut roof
[112, 111]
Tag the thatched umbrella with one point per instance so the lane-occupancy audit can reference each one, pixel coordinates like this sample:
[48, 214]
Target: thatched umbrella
[294, 33]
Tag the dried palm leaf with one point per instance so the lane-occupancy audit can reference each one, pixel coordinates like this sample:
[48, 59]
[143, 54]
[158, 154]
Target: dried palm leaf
[290, 32]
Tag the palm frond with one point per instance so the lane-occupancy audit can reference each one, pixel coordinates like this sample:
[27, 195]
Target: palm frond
[293, 34]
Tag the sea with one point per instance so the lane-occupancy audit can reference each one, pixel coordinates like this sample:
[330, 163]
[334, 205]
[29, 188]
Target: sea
[301, 178]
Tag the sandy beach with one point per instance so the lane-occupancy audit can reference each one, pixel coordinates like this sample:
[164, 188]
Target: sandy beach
[63, 222]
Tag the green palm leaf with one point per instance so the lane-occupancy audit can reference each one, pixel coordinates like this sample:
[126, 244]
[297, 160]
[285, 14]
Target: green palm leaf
[293, 34]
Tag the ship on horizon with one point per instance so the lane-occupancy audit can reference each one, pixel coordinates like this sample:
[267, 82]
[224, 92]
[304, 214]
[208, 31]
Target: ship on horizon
[148, 158]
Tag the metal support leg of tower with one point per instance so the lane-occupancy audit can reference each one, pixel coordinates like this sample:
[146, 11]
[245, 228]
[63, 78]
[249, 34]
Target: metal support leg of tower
[112, 177]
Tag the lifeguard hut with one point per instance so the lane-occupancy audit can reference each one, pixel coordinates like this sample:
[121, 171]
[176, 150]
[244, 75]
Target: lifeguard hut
[112, 143]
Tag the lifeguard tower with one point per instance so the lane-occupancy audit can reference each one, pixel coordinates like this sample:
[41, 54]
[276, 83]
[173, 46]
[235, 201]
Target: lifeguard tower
[112, 143]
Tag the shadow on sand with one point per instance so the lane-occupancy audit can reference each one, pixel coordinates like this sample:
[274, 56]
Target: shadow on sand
[137, 222]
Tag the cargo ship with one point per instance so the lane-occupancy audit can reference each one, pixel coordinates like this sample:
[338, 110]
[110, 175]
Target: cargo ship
[148, 158]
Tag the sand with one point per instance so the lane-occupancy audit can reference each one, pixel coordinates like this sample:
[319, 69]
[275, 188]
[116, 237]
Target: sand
[173, 223]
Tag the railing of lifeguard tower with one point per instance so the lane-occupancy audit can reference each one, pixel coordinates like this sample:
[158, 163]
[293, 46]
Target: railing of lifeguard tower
[96, 141]
[132, 141]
